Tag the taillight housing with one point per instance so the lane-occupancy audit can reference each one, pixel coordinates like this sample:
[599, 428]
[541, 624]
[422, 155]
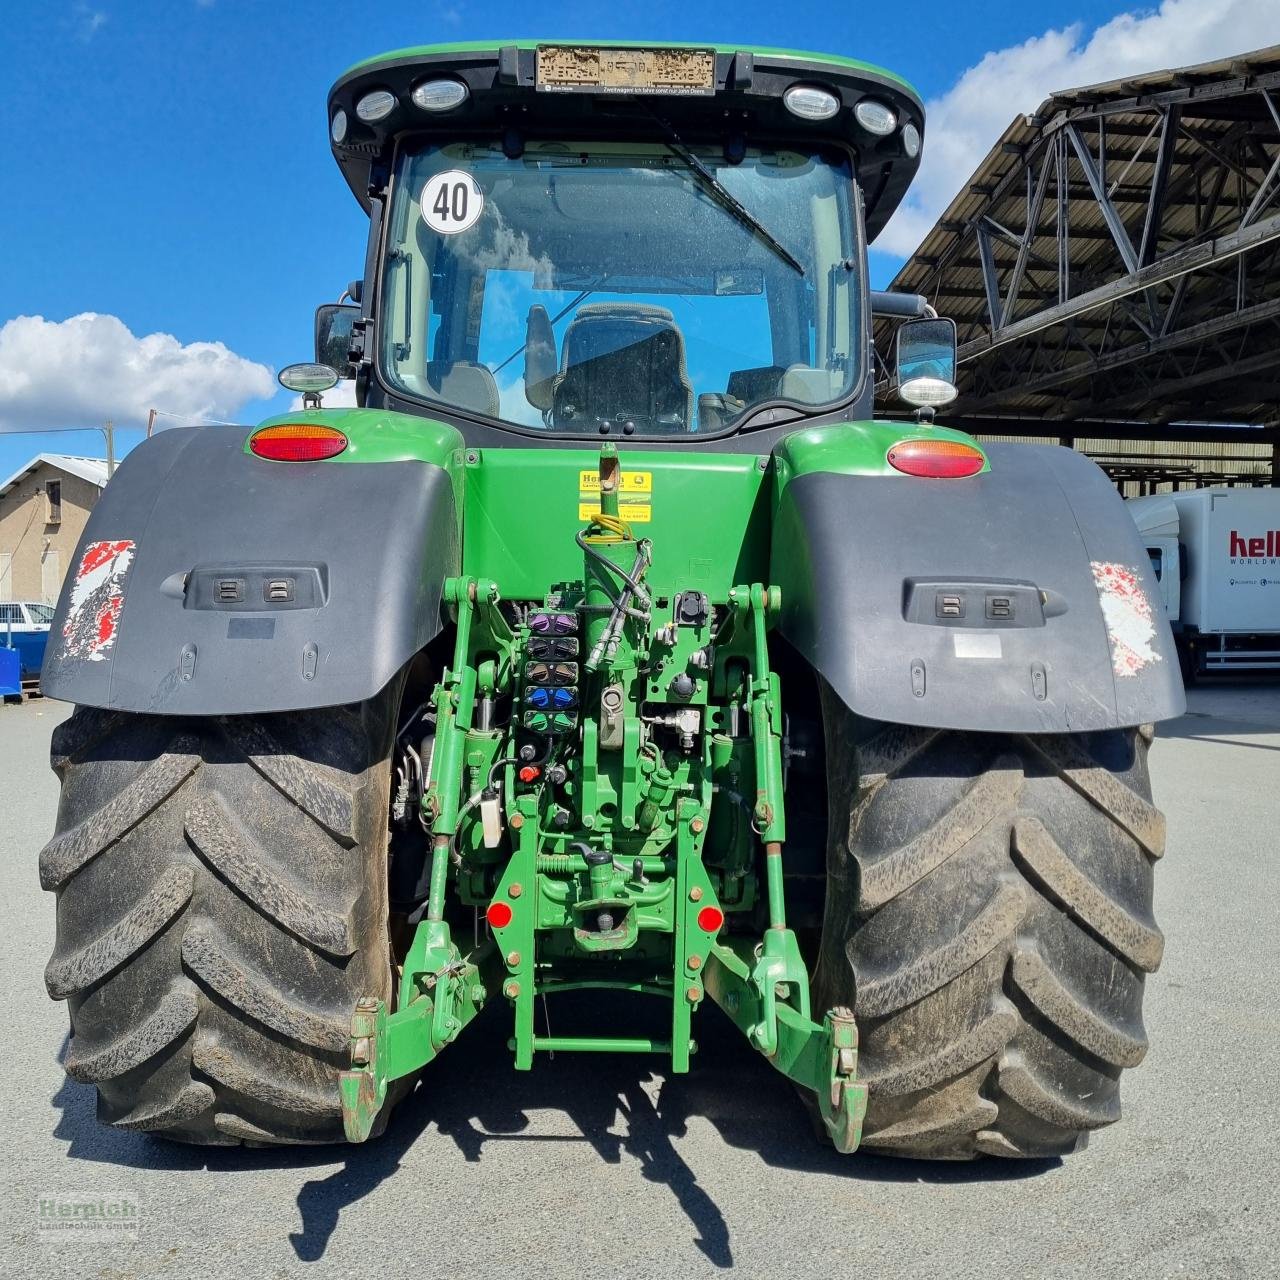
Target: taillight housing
[297, 442]
[942, 459]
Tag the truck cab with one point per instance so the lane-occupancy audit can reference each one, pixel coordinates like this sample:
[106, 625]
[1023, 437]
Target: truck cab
[1157, 521]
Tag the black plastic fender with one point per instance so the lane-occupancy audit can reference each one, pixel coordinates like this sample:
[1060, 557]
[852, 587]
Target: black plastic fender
[212, 582]
[1021, 599]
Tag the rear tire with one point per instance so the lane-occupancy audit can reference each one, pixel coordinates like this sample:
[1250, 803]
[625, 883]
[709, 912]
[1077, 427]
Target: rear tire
[221, 906]
[989, 920]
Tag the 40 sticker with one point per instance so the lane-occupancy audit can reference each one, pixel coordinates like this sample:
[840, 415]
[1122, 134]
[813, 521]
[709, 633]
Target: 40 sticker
[97, 597]
[451, 202]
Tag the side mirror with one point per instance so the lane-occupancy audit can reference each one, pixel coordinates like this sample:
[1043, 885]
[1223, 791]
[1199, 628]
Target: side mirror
[334, 326]
[926, 362]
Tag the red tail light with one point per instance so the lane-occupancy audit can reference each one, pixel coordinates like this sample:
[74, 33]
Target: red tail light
[498, 915]
[937, 458]
[297, 442]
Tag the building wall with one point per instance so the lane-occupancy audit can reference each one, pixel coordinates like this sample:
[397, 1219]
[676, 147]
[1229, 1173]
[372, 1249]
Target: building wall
[1141, 467]
[41, 552]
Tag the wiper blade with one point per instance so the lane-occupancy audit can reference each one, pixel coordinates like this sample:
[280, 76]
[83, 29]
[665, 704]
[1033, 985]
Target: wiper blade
[726, 198]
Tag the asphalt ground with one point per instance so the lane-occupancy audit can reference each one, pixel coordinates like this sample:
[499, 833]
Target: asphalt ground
[605, 1167]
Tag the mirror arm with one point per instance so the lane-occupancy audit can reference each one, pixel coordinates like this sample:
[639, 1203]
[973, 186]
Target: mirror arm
[901, 306]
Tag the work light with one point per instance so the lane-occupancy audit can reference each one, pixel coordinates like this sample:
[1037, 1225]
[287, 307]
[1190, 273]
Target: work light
[811, 103]
[440, 95]
[875, 117]
[376, 106]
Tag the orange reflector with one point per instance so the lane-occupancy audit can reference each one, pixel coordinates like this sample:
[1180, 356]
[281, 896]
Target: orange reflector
[710, 919]
[938, 458]
[498, 915]
[297, 442]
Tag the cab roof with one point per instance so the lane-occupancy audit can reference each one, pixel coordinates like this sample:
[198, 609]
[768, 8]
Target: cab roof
[743, 96]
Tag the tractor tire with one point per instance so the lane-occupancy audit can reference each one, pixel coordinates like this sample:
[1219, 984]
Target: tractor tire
[989, 921]
[221, 906]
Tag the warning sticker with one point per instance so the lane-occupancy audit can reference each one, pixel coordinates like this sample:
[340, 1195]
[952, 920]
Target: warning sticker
[635, 497]
[631, 512]
[97, 597]
[632, 482]
[451, 202]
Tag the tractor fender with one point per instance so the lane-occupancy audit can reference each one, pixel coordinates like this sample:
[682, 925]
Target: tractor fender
[212, 582]
[1021, 599]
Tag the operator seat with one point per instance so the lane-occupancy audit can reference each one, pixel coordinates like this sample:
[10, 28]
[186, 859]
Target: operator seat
[623, 362]
[461, 383]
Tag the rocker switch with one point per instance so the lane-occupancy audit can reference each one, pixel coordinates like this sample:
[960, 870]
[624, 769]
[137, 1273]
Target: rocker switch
[999, 606]
[947, 605]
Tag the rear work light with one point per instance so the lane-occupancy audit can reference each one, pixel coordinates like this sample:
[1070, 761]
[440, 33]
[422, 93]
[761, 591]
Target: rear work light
[297, 442]
[937, 458]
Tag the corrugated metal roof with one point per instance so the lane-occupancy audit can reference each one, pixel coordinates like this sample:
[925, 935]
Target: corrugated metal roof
[94, 470]
[1061, 327]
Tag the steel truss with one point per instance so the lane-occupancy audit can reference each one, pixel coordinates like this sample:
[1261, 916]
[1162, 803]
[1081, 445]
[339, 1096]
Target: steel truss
[1127, 261]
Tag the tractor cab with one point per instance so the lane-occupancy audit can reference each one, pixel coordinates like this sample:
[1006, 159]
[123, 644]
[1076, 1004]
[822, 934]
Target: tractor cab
[650, 243]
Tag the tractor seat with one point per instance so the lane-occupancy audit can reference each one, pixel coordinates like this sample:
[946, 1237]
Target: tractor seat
[623, 362]
[457, 382]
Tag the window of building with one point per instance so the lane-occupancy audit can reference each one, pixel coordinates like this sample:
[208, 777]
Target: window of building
[53, 499]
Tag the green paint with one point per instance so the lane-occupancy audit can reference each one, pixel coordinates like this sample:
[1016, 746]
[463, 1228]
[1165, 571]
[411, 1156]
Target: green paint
[377, 435]
[856, 448]
[468, 49]
[615, 896]
[708, 517]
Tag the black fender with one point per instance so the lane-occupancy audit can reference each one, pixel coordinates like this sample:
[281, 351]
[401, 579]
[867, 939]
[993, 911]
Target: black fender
[212, 582]
[1018, 600]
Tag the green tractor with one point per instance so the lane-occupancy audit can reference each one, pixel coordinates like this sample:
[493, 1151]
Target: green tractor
[610, 643]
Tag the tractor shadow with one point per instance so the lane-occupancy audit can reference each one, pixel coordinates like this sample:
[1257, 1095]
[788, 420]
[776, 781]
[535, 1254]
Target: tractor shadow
[625, 1109]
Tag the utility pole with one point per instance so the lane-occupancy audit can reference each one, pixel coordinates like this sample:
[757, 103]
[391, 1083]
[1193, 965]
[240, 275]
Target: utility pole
[110, 432]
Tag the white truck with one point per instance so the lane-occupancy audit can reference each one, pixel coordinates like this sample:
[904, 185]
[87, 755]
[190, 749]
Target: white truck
[1216, 553]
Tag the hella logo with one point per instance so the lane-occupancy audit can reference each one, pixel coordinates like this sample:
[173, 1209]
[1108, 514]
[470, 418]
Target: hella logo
[1267, 546]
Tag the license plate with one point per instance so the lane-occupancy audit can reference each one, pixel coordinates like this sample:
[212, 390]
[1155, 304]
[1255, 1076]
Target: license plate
[570, 69]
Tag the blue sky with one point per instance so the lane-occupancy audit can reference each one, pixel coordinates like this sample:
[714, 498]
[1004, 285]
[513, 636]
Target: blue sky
[166, 161]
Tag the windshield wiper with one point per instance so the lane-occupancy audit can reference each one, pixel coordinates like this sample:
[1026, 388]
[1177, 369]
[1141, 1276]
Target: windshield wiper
[724, 197]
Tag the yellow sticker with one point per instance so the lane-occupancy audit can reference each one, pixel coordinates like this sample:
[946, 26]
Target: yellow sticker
[632, 482]
[634, 512]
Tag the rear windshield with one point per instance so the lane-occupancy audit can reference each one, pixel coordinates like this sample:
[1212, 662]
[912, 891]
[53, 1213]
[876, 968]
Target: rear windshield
[589, 288]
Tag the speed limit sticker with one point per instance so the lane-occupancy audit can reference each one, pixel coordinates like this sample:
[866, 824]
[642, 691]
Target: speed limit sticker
[451, 202]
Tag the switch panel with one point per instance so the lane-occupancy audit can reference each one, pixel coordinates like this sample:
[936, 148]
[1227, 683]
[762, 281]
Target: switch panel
[989, 604]
[248, 588]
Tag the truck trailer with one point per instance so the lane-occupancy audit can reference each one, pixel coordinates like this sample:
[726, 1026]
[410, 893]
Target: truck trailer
[1216, 555]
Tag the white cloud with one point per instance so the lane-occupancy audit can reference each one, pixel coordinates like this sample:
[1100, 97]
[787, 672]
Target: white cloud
[343, 396]
[87, 22]
[965, 122]
[82, 371]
